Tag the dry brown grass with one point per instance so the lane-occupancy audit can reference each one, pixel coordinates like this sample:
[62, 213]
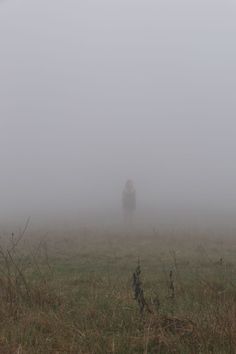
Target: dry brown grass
[74, 295]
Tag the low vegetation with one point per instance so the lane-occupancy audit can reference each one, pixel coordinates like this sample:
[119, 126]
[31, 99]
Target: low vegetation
[98, 292]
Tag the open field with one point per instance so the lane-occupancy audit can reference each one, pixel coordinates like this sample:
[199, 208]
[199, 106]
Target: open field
[72, 293]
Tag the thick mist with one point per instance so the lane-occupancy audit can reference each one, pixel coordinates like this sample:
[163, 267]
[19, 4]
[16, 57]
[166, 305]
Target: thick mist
[95, 92]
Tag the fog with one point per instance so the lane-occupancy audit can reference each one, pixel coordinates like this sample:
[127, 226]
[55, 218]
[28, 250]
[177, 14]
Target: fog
[96, 92]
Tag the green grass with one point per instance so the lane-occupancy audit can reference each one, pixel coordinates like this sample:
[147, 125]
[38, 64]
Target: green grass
[81, 298]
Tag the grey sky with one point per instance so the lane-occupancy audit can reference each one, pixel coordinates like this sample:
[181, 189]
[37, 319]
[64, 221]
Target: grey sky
[94, 92]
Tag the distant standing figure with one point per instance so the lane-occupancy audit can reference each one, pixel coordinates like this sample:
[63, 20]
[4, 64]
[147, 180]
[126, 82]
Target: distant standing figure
[129, 202]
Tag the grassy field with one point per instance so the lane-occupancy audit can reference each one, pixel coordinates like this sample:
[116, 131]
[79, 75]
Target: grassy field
[73, 292]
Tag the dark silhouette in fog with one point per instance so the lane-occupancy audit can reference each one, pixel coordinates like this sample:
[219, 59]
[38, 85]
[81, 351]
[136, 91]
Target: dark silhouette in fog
[129, 202]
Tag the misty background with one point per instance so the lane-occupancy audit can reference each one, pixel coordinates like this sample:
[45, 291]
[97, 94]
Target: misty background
[95, 92]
